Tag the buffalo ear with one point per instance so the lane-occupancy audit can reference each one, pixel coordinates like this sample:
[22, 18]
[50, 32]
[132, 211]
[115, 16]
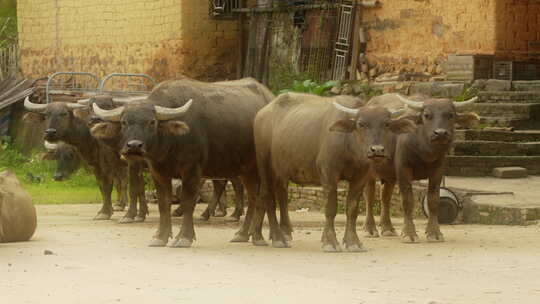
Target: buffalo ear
[33, 117]
[174, 127]
[82, 114]
[402, 125]
[105, 130]
[344, 125]
[466, 120]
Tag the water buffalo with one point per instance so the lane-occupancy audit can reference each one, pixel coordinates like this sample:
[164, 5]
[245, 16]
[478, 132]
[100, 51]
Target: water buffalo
[17, 213]
[64, 123]
[189, 130]
[319, 141]
[415, 156]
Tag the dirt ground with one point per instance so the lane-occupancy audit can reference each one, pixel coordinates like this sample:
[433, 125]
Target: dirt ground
[105, 262]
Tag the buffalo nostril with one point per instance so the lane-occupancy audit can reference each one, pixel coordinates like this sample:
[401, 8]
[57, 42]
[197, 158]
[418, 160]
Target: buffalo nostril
[440, 132]
[135, 144]
[377, 149]
[50, 131]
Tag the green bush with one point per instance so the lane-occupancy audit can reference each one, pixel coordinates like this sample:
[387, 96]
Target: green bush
[311, 87]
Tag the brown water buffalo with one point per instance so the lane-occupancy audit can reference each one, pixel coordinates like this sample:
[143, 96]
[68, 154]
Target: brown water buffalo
[189, 130]
[17, 213]
[415, 156]
[313, 140]
[64, 123]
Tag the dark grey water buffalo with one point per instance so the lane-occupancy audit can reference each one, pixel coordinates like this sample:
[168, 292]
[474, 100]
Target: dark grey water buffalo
[64, 123]
[415, 156]
[313, 140]
[17, 213]
[189, 130]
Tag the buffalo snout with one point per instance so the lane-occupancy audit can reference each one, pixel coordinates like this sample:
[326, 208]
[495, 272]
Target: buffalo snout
[50, 133]
[442, 135]
[376, 151]
[134, 147]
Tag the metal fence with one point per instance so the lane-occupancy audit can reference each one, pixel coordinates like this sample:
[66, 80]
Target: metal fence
[289, 44]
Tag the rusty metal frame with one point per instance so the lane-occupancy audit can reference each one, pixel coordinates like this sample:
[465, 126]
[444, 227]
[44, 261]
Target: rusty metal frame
[49, 90]
[113, 75]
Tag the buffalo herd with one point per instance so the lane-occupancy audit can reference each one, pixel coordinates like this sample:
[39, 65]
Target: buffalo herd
[239, 131]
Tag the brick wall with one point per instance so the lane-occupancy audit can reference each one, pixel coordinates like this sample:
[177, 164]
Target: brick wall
[418, 35]
[518, 28]
[164, 38]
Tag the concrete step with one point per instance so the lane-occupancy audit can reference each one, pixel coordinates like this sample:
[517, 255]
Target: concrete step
[507, 110]
[459, 165]
[494, 148]
[526, 85]
[509, 97]
[516, 123]
[505, 136]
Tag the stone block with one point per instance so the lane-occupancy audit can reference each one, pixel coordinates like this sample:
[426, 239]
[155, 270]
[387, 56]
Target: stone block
[498, 85]
[510, 172]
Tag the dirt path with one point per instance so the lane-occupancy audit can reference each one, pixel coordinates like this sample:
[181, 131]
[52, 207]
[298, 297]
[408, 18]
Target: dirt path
[104, 262]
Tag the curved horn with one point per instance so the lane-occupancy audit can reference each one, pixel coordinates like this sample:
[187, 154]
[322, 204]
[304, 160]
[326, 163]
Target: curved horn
[74, 106]
[108, 115]
[396, 113]
[344, 108]
[124, 100]
[50, 146]
[415, 105]
[85, 101]
[34, 107]
[465, 103]
[163, 113]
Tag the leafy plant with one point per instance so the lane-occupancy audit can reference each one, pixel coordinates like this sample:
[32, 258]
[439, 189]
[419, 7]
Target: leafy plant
[467, 94]
[311, 87]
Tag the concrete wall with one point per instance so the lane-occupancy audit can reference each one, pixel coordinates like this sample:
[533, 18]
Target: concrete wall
[418, 35]
[164, 38]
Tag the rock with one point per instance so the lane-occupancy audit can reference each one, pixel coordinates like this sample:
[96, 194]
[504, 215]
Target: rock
[335, 90]
[373, 72]
[479, 84]
[498, 85]
[47, 252]
[510, 172]
[346, 90]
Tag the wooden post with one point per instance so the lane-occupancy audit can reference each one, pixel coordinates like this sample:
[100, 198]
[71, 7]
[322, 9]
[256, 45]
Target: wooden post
[241, 51]
[355, 42]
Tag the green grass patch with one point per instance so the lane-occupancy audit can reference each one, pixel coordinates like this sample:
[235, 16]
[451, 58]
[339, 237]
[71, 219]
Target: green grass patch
[36, 175]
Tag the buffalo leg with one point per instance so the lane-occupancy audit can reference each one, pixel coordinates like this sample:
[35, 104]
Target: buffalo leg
[433, 232]
[164, 193]
[408, 233]
[179, 211]
[222, 202]
[252, 225]
[105, 186]
[387, 229]
[218, 189]
[139, 192]
[370, 228]
[350, 240]
[131, 213]
[120, 184]
[329, 240]
[282, 196]
[238, 198]
[191, 184]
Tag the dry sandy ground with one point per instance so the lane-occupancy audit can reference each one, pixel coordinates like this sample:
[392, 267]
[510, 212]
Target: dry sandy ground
[104, 262]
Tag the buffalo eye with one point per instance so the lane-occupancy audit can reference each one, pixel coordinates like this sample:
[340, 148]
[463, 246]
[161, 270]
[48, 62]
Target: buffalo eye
[124, 123]
[450, 115]
[427, 116]
[152, 123]
[387, 124]
[361, 124]
[63, 114]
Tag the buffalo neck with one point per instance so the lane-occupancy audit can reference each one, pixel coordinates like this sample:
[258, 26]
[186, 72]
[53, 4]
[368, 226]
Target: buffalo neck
[80, 137]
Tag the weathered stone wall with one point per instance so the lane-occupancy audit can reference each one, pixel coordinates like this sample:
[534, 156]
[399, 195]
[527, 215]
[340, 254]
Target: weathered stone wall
[417, 36]
[163, 38]
[518, 28]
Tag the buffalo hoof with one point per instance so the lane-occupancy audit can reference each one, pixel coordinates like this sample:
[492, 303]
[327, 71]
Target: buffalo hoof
[157, 243]
[331, 248]
[102, 217]
[355, 248]
[237, 214]
[118, 207]
[182, 243]
[220, 213]
[139, 219]
[391, 232]
[259, 242]
[126, 220]
[177, 212]
[410, 238]
[280, 244]
[240, 238]
[371, 234]
[287, 237]
[435, 237]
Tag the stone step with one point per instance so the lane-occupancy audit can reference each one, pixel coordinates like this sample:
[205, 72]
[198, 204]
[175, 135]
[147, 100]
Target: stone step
[505, 136]
[509, 97]
[459, 165]
[517, 124]
[494, 148]
[507, 110]
[526, 85]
